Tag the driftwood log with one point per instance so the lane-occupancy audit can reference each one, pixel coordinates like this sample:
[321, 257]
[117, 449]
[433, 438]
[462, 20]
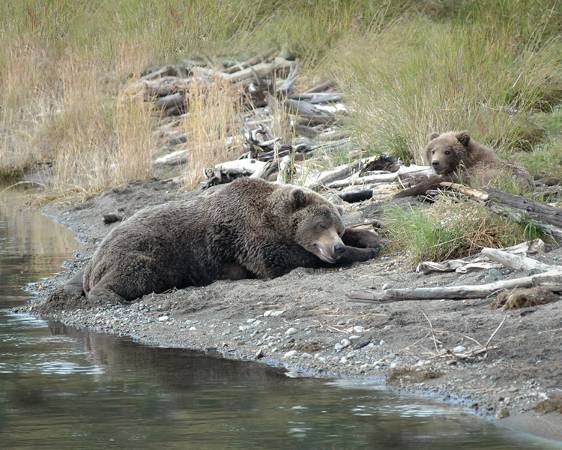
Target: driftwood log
[550, 279]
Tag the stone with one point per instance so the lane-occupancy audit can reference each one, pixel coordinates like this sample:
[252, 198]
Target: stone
[290, 354]
[291, 331]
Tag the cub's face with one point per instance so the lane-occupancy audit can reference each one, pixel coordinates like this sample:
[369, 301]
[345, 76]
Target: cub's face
[317, 225]
[445, 152]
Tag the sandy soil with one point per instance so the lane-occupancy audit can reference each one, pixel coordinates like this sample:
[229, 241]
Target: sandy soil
[305, 322]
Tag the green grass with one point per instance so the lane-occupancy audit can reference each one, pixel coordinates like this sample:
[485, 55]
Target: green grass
[450, 229]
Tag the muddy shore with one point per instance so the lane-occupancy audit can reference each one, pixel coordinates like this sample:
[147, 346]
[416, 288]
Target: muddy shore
[304, 322]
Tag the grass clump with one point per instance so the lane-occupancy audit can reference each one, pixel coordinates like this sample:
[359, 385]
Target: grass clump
[450, 229]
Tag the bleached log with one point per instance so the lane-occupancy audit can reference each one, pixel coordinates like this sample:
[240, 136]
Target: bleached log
[172, 159]
[322, 178]
[551, 278]
[311, 114]
[256, 71]
[247, 165]
[516, 262]
[404, 171]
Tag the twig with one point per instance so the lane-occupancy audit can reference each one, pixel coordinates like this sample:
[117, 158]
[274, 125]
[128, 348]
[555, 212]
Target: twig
[495, 332]
[20, 183]
[432, 333]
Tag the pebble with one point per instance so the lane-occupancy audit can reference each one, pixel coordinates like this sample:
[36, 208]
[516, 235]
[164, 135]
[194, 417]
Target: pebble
[277, 313]
[502, 413]
[381, 342]
[192, 328]
[459, 349]
[338, 347]
[358, 329]
[291, 331]
[290, 354]
[343, 360]
[163, 318]
[345, 343]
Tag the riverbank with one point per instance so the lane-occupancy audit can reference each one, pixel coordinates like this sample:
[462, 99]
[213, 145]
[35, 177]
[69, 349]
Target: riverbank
[304, 322]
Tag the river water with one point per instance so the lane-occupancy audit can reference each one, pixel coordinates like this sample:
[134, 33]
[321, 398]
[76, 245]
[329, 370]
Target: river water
[63, 388]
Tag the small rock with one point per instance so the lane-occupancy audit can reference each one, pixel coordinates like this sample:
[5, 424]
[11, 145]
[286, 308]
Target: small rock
[343, 360]
[111, 218]
[338, 347]
[381, 342]
[291, 331]
[192, 329]
[358, 329]
[502, 413]
[267, 313]
[345, 343]
[277, 313]
[290, 354]
[459, 349]
[163, 318]
[259, 354]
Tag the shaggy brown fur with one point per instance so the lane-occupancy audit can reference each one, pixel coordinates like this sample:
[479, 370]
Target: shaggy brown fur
[523, 298]
[455, 156]
[249, 228]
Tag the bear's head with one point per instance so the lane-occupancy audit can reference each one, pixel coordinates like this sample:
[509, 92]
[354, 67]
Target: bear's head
[445, 152]
[313, 222]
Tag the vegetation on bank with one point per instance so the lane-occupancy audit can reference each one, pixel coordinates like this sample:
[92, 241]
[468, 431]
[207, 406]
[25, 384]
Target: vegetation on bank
[451, 228]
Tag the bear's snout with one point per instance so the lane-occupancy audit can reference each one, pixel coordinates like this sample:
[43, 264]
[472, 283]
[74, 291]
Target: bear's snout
[435, 163]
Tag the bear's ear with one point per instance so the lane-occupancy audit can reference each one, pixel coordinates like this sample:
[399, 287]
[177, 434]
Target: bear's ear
[298, 199]
[463, 137]
[433, 136]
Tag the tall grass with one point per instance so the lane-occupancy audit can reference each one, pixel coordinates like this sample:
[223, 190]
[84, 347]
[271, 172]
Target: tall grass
[408, 67]
[485, 69]
[213, 125]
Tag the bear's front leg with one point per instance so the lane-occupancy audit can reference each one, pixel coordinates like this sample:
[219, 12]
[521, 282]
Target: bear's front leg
[361, 238]
[350, 255]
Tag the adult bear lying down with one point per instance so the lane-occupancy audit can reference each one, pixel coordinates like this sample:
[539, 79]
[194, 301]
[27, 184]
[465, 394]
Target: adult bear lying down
[247, 229]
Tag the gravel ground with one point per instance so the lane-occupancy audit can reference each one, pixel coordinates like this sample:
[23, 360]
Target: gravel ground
[304, 322]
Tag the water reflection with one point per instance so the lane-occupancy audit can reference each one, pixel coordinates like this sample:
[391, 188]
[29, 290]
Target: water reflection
[62, 388]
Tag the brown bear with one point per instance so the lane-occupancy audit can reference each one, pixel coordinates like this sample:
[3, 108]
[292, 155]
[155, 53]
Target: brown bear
[455, 156]
[248, 228]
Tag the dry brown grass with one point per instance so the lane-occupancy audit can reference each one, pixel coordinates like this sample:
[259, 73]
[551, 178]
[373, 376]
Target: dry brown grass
[213, 117]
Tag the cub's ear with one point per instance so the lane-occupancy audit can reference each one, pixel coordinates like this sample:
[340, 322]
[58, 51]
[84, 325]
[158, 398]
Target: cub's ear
[463, 137]
[298, 199]
[433, 136]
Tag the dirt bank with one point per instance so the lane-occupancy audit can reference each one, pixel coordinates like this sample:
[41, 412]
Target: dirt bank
[304, 321]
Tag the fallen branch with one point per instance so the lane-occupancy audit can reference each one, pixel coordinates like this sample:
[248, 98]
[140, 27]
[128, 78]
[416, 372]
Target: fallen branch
[516, 262]
[553, 277]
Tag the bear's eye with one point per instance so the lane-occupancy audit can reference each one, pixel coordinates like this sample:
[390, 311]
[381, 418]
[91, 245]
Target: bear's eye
[447, 152]
[322, 226]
